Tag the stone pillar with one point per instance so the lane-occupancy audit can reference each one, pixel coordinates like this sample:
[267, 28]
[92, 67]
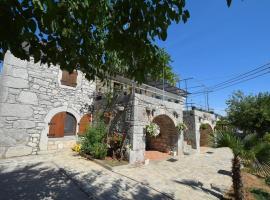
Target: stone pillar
[137, 133]
[180, 144]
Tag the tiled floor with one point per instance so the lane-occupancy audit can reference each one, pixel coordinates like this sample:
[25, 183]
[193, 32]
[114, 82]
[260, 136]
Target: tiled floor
[156, 155]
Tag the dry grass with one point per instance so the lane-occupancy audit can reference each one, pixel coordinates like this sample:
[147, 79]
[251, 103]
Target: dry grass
[250, 181]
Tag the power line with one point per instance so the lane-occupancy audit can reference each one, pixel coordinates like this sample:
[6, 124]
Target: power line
[242, 81]
[238, 79]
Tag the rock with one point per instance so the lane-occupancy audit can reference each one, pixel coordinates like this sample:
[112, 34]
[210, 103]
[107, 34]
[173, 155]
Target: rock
[57, 104]
[36, 87]
[32, 144]
[12, 82]
[24, 124]
[18, 151]
[28, 98]
[16, 110]
[35, 135]
[41, 82]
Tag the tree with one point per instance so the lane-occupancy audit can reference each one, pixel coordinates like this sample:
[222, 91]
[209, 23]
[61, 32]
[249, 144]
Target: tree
[100, 38]
[250, 114]
[251, 151]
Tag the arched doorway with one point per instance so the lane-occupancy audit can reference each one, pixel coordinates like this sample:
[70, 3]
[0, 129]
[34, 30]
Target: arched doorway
[205, 132]
[84, 123]
[62, 124]
[168, 137]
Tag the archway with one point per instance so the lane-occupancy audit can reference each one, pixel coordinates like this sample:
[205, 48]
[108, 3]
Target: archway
[205, 132]
[62, 124]
[84, 123]
[167, 139]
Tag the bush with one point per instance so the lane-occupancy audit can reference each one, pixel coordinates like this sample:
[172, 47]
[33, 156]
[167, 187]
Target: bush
[260, 194]
[99, 150]
[266, 137]
[94, 141]
[267, 180]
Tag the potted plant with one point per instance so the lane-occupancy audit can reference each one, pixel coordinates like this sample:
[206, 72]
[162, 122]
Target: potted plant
[181, 127]
[153, 129]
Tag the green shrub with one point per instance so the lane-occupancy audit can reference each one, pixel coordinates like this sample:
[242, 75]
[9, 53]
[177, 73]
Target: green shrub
[267, 180]
[99, 150]
[94, 141]
[260, 194]
[266, 137]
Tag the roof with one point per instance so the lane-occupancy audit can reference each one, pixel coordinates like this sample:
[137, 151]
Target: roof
[168, 88]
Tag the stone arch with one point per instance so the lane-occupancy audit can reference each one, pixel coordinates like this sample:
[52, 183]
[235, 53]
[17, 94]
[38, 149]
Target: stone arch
[167, 113]
[205, 131]
[43, 143]
[168, 137]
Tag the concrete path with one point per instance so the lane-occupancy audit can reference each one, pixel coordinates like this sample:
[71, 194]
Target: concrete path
[68, 176]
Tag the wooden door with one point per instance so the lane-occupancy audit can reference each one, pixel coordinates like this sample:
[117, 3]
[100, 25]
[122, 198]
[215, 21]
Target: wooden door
[84, 123]
[57, 124]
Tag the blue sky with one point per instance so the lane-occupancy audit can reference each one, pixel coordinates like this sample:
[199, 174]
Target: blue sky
[218, 42]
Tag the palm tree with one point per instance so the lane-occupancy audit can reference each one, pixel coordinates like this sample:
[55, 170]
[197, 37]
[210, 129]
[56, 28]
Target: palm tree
[250, 151]
[229, 140]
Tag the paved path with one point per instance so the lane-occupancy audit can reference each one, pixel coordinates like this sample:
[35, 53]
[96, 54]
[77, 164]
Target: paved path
[68, 176]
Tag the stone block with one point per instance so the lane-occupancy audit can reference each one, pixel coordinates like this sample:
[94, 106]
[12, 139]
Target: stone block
[41, 82]
[18, 151]
[14, 91]
[19, 73]
[12, 60]
[28, 98]
[13, 82]
[136, 157]
[20, 135]
[15, 110]
[6, 141]
[3, 94]
[32, 144]
[24, 124]
[36, 87]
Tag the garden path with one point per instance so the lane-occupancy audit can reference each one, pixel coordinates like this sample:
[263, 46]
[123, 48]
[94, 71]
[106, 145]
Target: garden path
[66, 175]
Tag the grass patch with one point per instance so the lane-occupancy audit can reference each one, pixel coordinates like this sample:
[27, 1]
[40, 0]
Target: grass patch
[260, 194]
[114, 163]
[267, 181]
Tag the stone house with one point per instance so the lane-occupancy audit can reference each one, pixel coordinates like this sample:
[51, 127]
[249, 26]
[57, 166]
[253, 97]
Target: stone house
[42, 109]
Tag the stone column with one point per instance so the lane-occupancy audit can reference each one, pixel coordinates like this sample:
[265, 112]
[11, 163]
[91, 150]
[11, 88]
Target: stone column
[180, 143]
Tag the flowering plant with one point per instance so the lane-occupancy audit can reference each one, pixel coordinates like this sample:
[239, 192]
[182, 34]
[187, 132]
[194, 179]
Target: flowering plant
[153, 129]
[181, 127]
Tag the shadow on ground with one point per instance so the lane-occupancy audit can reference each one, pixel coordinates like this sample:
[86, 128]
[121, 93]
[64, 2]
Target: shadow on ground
[43, 181]
[197, 185]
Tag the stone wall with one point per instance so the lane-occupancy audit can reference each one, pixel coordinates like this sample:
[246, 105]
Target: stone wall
[194, 119]
[29, 97]
[141, 117]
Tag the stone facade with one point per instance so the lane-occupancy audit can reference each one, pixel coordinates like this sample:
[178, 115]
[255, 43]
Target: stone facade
[194, 119]
[31, 94]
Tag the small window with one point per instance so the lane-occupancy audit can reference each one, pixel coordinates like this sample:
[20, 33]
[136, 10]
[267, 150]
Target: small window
[69, 79]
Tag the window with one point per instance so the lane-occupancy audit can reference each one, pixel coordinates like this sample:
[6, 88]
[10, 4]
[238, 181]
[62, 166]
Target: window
[69, 79]
[62, 124]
